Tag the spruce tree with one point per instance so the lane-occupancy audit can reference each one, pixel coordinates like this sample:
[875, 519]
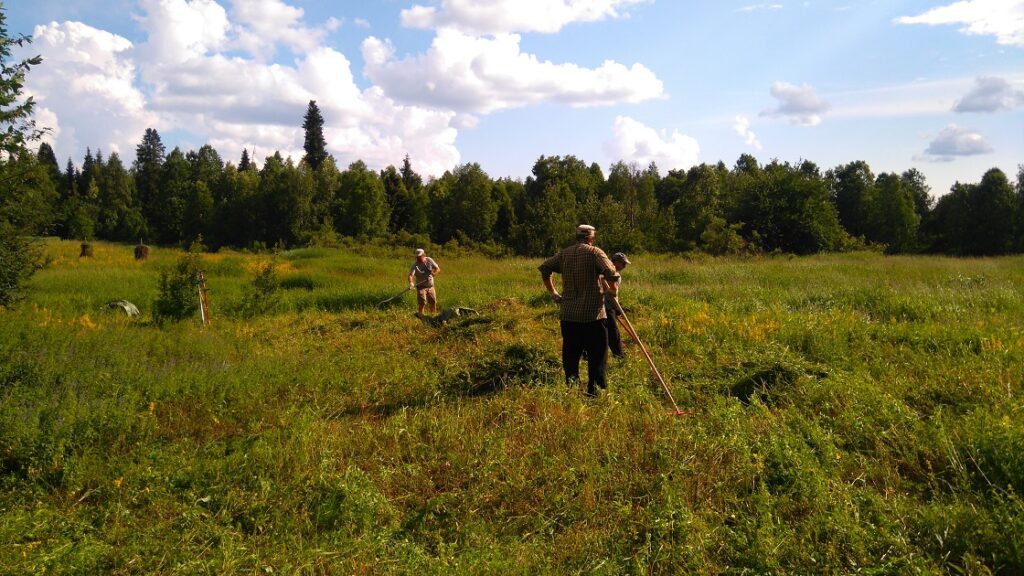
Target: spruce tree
[16, 124]
[147, 168]
[244, 164]
[315, 145]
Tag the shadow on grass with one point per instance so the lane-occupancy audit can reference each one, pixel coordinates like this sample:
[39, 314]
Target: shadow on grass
[518, 365]
[771, 382]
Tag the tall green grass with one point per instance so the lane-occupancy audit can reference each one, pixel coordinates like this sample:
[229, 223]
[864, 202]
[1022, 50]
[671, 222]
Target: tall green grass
[852, 414]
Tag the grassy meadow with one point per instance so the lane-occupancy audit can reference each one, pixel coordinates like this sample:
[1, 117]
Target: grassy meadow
[852, 414]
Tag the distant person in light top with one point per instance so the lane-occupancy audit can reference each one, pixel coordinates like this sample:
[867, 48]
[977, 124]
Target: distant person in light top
[421, 279]
[581, 306]
[620, 261]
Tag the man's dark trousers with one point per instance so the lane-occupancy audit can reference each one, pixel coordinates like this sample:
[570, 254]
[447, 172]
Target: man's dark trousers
[589, 336]
[614, 339]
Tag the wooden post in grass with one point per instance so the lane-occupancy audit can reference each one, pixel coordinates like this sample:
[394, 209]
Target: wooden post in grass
[204, 299]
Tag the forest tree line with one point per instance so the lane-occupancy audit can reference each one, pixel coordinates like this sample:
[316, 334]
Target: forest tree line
[172, 198]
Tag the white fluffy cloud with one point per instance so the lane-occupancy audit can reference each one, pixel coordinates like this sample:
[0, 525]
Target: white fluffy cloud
[742, 127]
[634, 141]
[799, 104]
[179, 30]
[955, 141]
[99, 90]
[505, 16]
[481, 75]
[990, 94]
[86, 92]
[261, 25]
[1003, 19]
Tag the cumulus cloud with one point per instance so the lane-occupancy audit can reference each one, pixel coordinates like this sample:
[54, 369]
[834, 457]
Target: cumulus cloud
[474, 74]
[86, 93]
[261, 25]
[99, 90]
[990, 94]
[1003, 19]
[742, 127]
[954, 141]
[179, 30]
[506, 16]
[634, 141]
[799, 104]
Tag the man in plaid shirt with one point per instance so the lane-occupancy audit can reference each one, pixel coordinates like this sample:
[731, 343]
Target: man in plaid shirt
[582, 305]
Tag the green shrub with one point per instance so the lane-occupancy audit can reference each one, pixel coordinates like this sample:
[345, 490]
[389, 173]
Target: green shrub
[178, 296]
[720, 238]
[19, 259]
[263, 294]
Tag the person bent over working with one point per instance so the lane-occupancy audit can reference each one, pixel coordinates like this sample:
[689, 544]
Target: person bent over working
[612, 311]
[581, 306]
[421, 278]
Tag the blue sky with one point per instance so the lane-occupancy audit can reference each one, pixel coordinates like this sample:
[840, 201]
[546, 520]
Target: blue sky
[932, 85]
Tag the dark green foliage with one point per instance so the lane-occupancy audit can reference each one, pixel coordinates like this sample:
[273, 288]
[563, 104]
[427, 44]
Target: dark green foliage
[120, 214]
[894, 217]
[776, 207]
[698, 200]
[286, 192]
[28, 195]
[361, 208]
[720, 238]
[548, 209]
[852, 189]
[976, 219]
[467, 209]
[27, 192]
[790, 211]
[17, 127]
[1019, 191]
[262, 295]
[315, 145]
[147, 168]
[175, 187]
[633, 190]
[178, 290]
[20, 258]
[992, 209]
[410, 204]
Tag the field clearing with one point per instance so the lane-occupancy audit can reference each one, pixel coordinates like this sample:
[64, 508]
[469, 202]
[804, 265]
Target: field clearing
[853, 413]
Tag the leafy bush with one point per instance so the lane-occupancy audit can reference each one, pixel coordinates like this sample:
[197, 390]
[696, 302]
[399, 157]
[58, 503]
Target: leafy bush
[178, 296]
[720, 238]
[263, 294]
[19, 259]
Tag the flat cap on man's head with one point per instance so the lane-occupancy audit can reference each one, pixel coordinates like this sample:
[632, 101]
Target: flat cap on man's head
[418, 252]
[585, 229]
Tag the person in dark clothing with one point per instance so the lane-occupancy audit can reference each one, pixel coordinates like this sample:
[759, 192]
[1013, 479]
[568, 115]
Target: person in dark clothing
[620, 261]
[581, 305]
